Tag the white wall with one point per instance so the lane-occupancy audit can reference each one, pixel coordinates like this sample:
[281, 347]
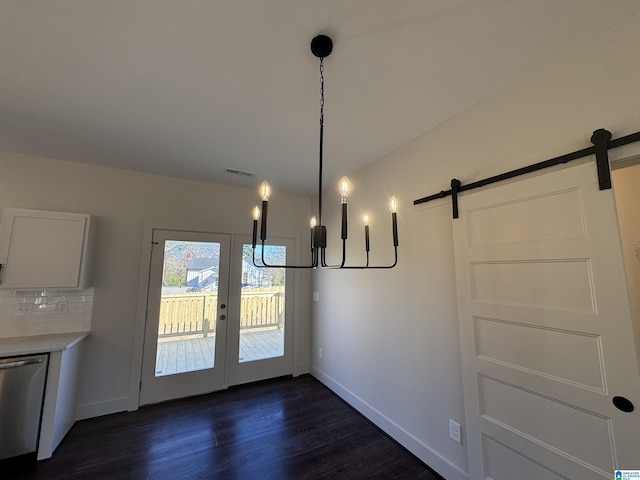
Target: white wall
[122, 203]
[390, 338]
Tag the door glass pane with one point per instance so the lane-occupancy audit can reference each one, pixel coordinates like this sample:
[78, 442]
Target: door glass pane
[188, 307]
[262, 312]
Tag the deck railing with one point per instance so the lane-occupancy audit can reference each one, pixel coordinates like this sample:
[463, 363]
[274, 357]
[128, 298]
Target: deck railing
[196, 313]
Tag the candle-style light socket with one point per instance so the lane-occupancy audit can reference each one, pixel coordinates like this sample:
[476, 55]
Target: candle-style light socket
[254, 237]
[263, 221]
[366, 238]
[344, 221]
[394, 221]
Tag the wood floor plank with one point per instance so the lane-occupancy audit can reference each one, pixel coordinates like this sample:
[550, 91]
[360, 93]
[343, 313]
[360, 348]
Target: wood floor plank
[283, 429]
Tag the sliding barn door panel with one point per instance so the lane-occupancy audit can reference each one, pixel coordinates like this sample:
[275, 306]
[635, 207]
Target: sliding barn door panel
[545, 330]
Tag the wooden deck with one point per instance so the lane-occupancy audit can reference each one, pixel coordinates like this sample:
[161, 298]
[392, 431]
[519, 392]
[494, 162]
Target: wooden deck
[180, 354]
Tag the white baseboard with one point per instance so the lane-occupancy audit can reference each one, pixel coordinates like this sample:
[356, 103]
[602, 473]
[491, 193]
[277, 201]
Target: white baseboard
[129, 404]
[441, 465]
[102, 408]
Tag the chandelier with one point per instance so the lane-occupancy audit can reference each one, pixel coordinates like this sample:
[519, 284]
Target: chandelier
[321, 47]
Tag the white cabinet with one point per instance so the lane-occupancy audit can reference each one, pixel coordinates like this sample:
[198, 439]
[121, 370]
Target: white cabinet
[41, 249]
[60, 397]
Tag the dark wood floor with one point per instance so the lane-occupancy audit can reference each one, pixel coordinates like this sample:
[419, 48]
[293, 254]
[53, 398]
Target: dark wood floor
[289, 428]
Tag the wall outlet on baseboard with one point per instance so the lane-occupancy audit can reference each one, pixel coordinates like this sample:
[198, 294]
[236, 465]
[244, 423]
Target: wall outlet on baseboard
[23, 309]
[455, 431]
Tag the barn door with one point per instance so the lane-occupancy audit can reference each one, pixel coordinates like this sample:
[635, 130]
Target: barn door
[550, 368]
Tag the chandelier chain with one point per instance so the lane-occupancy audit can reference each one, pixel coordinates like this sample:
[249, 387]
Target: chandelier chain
[321, 91]
[320, 153]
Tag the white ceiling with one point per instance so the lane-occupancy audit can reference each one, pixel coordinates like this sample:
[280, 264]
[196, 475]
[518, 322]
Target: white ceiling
[188, 88]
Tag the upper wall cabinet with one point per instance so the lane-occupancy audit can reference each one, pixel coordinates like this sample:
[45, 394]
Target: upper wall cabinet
[43, 249]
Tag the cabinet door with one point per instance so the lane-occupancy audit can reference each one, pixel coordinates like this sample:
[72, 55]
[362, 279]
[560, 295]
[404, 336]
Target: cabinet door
[43, 249]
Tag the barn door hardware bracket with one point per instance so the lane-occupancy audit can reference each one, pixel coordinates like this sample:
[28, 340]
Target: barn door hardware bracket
[600, 140]
[602, 143]
[455, 188]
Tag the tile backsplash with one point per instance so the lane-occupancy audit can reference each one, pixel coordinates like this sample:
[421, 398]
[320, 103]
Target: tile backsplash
[40, 312]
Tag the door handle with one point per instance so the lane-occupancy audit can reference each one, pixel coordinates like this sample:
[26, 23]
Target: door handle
[20, 363]
[623, 404]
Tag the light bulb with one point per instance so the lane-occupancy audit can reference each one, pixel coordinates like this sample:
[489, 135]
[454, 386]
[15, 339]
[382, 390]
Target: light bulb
[394, 204]
[344, 187]
[313, 222]
[365, 220]
[265, 191]
[256, 213]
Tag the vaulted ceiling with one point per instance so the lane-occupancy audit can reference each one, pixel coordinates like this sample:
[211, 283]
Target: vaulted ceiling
[190, 88]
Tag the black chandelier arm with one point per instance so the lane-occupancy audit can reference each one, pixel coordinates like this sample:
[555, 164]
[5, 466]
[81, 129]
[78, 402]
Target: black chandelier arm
[323, 258]
[367, 266]
[342, 265]
[375, 267]
[314, 260]
[344, 251]
[344, 256]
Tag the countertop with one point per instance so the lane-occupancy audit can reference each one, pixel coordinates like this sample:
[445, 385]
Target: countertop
[39, 343]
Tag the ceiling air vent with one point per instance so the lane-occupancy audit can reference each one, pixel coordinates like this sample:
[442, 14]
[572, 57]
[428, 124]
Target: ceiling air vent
[244, 173]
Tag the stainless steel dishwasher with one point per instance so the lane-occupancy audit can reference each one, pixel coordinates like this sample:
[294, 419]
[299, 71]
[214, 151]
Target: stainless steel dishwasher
[22, 381]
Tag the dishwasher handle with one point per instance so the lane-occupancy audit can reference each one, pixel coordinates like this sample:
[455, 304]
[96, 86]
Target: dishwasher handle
[19, 363]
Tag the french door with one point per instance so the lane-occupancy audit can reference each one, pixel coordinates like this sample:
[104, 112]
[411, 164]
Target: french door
[187, 311]
[260, 331]
[213, 318]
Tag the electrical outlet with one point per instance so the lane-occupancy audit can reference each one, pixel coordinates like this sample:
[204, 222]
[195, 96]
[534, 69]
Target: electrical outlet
[23, 309]
[320, 352]
[316, 296]
[455, 431]
[62, 307]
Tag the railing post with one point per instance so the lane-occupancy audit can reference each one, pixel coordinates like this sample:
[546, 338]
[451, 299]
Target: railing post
[278, 311]
[205, 320]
